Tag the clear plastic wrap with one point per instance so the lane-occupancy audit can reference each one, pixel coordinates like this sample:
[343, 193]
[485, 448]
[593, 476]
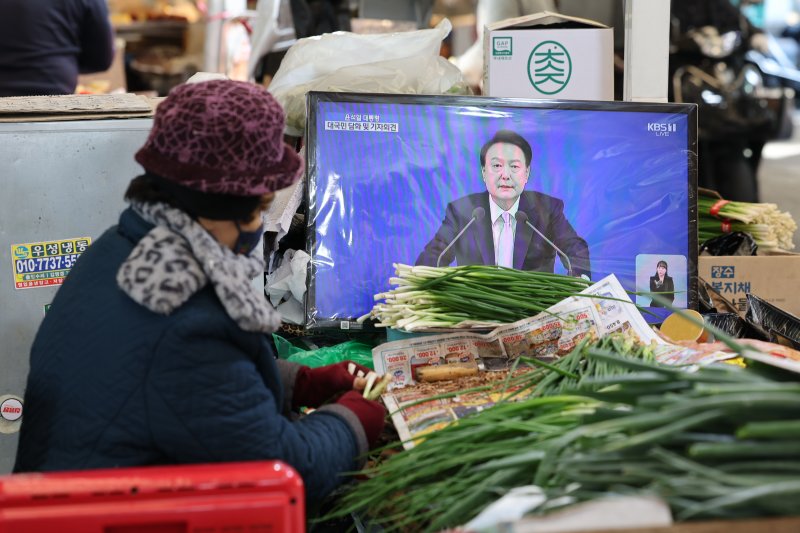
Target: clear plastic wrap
[729, 323]
[401, 62]
[612, 185]
[734, 325]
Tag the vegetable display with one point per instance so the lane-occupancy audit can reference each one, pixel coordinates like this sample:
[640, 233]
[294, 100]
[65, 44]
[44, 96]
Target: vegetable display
[769, 227]
[714, 442]
[442, 297]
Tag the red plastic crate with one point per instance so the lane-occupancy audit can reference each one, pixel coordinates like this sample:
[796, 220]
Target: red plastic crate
[251, 497]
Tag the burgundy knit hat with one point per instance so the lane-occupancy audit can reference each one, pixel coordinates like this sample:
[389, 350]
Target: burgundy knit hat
[222, 137]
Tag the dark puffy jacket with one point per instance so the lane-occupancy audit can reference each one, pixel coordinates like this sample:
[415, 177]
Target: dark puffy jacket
[112, 384]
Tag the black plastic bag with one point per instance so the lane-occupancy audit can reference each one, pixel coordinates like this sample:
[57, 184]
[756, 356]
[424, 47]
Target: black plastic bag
[780, 326]
[734, 243]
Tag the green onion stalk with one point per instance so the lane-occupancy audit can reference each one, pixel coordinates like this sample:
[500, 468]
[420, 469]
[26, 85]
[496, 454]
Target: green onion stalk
[763, 234]
[714, 442]
[441, 297]
[770, 227]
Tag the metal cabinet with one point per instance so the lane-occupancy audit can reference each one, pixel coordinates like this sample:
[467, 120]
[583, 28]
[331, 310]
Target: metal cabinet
[60, 182]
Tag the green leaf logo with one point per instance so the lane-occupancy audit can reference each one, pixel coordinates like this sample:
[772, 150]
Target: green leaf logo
[549, 67]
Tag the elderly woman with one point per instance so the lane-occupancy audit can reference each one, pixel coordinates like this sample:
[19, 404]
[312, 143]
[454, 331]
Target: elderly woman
[154, 350]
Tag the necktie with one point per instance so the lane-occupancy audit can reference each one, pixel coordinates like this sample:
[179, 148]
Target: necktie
[505, 257]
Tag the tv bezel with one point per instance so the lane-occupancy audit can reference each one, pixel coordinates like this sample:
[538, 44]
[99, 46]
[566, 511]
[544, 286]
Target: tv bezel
[315, 97]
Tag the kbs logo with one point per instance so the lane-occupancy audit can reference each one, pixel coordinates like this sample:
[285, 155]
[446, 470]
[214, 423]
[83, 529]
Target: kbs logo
[661, 129]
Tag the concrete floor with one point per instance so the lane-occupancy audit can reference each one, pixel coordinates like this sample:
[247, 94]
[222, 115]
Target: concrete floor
[779, 175]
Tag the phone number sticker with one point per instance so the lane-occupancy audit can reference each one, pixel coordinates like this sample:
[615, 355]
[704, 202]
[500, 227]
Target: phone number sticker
[41, 264]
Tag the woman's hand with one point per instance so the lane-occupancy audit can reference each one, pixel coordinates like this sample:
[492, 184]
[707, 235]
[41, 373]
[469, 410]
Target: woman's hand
[315, 386]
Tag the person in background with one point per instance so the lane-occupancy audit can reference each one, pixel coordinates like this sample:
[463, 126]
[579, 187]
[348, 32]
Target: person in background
[662, 284]
[487, 12]
[155, 349]
[714, 36]
[497, 237]
[308, 17]
[46, 43]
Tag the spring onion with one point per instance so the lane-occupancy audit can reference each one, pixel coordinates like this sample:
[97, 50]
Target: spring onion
[708, 440]
[443, 297]
[770, 227]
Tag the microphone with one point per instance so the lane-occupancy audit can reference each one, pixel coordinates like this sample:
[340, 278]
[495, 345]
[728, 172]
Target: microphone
[522, 217]
[477, 214]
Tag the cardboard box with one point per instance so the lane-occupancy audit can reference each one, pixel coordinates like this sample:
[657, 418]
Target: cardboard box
[744, 525]
[547, 55]
[75, 107]
[774, 277]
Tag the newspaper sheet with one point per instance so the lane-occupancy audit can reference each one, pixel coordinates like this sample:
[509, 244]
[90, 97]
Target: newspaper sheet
[605, 308]
[420, 417]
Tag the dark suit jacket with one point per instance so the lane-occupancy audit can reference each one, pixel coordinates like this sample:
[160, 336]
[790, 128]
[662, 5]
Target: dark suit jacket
[531, 252]
[667, 287]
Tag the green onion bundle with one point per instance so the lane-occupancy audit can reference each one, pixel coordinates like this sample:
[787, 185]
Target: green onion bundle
[770, 227]
[563, 375]
[441, 297]
[718, 442]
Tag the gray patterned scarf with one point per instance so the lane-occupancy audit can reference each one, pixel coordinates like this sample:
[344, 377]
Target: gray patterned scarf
[178, 257]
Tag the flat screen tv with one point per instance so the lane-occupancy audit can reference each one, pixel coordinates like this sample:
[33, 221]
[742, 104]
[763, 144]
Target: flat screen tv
[591, 188]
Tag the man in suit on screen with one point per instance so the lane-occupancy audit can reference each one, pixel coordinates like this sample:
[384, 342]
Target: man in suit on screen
[507, 225]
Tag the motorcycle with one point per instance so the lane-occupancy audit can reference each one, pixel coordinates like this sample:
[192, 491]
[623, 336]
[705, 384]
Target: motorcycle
[741, 93]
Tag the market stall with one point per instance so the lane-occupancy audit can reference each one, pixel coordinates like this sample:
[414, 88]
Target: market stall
[573, 360]
[552, 403]
[541, 415]
[572, 416]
